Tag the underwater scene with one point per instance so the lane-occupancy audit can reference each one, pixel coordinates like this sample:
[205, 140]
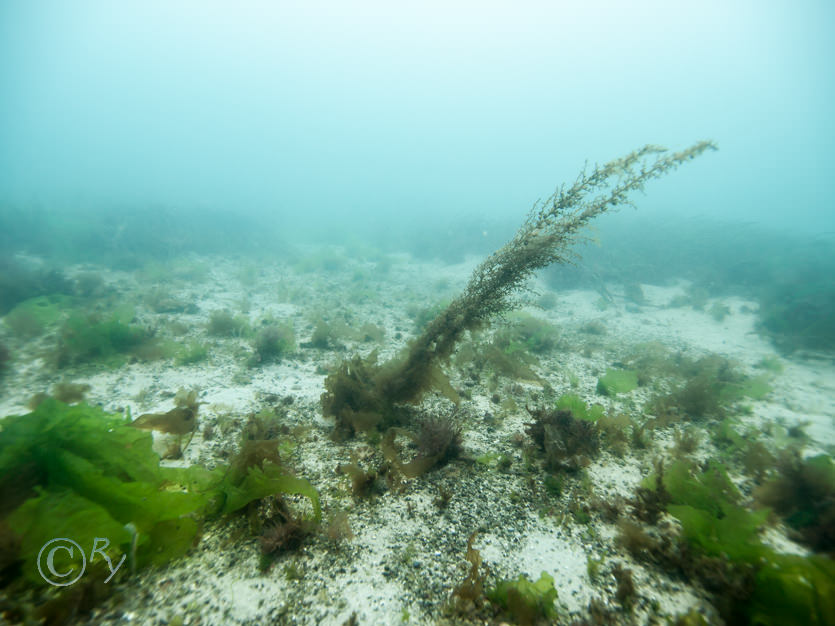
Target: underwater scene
[444, 313]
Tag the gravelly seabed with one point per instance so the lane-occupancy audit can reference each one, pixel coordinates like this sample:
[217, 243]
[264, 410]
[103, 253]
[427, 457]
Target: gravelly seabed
[407, 552]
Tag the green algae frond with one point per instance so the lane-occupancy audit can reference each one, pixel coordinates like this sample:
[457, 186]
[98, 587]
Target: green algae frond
[721, 532]
[617, 381]
[527, 602]
[79, 472]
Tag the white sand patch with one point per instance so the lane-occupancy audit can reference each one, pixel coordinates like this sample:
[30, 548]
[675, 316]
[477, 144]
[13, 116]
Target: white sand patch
[616, 477]
[543, 549]
[408, 552]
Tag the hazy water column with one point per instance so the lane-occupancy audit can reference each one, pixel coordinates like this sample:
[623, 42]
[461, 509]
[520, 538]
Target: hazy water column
[364, 110]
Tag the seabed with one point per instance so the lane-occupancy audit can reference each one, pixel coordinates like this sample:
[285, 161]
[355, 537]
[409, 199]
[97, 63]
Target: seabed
[403, 552]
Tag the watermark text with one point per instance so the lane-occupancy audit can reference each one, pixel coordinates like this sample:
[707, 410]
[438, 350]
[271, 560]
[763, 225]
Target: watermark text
[49, 571]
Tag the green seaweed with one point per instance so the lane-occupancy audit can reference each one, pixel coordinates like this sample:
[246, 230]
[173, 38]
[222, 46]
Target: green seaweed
[617, 381]
[711, 385]
[709, 490]
[803, 492]
[733, 534]
[753, 387]
[323, 336]
[273, 342]
[593, 567]
[525, 601]
[160, 300]
[513, 364]
[615, 431]
[579, 409]
[91, 463]
[110, 340]
[793, 590]
[784, 589]
[191, 353]
[754, 456]
[650, 360]
[260, 482]
[528, 333]
[67, 515]
[223, 324]
[331, 335]
[771, 364]
[33, 317]
[494, 460]
[708, 506]
[20, 282]
[103, 478]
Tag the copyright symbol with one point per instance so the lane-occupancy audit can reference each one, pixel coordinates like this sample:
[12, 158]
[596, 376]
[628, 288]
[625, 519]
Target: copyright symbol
[46, 556]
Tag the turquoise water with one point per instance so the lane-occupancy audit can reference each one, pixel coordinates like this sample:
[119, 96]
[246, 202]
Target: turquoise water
[365, 111]
[237, 336]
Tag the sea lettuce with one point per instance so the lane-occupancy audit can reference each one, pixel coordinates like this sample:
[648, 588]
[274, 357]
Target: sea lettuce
[785, 589]
[76, 471]
[617, 381]
[527, 602]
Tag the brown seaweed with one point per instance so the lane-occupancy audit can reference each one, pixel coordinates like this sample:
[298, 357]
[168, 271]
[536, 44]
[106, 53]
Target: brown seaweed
[181, 420]
[361, 394]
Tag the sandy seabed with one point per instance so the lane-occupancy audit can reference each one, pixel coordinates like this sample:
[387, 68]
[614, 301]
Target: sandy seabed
[407, 553]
